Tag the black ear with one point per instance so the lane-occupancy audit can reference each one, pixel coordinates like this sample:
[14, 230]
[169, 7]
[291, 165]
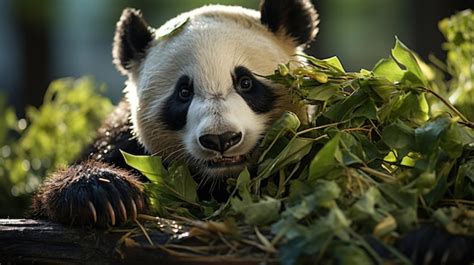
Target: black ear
[132, 37]
[295, 18]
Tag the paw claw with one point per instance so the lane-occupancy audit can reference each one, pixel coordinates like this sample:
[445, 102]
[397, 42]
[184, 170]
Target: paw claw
[123, 210]
[93, 211]
[140, 205]
[134, 211]
[111, 212]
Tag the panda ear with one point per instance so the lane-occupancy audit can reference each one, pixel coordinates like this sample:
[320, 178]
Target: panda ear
[295, 18]
[132, 37]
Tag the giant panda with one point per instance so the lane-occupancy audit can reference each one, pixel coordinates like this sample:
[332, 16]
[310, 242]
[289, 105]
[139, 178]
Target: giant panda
[194, 92]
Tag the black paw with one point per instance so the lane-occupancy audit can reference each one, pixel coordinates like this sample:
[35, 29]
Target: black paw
[91, 193]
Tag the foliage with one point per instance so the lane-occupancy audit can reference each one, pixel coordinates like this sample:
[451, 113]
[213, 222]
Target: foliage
[376, 159]
[383, 151]
[48, 138]
[459, 33]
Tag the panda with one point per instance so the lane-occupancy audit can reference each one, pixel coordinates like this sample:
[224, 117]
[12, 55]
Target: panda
[195, 92]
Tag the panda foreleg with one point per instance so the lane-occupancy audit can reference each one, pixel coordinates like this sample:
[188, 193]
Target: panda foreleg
[90, 193]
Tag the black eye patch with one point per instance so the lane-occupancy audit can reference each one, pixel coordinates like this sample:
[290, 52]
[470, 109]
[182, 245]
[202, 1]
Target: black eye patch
[175, 110]
[259, 97]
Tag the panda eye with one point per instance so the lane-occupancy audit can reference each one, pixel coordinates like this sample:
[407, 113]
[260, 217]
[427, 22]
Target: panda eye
[245, 83]
[185, 93]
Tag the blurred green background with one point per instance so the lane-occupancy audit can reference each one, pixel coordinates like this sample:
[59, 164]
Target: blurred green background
[41, 41]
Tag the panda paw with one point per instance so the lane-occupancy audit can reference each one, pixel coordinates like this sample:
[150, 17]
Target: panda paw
[91, 193]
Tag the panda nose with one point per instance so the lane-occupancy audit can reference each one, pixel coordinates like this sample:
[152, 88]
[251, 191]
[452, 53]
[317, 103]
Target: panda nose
[220, 142]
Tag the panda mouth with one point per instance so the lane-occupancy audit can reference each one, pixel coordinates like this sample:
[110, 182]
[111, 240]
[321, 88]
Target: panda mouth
[226, 161]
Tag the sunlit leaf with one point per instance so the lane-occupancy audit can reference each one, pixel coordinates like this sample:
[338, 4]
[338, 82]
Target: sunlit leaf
[150, 166]
[407, 59]
[389, 69]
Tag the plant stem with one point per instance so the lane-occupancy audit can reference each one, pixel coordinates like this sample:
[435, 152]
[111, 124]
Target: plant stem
[465, 120]
[375, 173]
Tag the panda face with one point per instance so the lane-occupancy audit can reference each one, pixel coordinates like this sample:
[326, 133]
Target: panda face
[199, 95]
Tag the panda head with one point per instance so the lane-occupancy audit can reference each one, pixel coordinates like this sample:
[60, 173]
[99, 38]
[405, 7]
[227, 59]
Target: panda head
[197, 94]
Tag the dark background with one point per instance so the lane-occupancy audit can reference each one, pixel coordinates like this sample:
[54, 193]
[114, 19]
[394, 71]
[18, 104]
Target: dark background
[41, 40]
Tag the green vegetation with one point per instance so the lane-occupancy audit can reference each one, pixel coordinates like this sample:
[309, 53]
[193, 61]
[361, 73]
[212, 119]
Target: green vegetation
[49, 137]
[384, 151]
[458, 31]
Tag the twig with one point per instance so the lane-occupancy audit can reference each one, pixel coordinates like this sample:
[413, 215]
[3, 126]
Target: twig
[264, 240]
[197, 249]
[458, 201]
[465, 120]
[385, 177]
[144, 232]
[320, 127]
[251, 243]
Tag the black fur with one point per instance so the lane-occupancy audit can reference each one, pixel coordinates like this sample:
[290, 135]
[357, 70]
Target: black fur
[260, 98]
[114, 135]
[297, 18]
[175, 110]
[132, 37]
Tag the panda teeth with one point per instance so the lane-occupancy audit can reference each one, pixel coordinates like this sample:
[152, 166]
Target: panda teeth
[224, 159]
[227, 160]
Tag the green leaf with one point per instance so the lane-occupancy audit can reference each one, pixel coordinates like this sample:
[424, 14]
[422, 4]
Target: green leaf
[339, 222]
[323, 92]
[323, 195]
[262, 212]
[388, 68]
[296, 149]
[326, 160]
[464, 182]
[172, 27]
[243, 182]
[350, 254]
[395, 194]
[334, 61]
[398, 135]
[149, 166]
[413, 107]
[368, 110]
[341, 110]
[382, 87]
[407, 219]
[181, 181]
[407, 58]
[454, 140]
[365, 206]
[430, 134]
[288, 122]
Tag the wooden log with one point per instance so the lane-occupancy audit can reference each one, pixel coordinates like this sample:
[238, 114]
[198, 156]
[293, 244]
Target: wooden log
[25, 241]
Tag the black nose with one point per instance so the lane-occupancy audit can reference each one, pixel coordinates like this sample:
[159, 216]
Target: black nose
[220, 142]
